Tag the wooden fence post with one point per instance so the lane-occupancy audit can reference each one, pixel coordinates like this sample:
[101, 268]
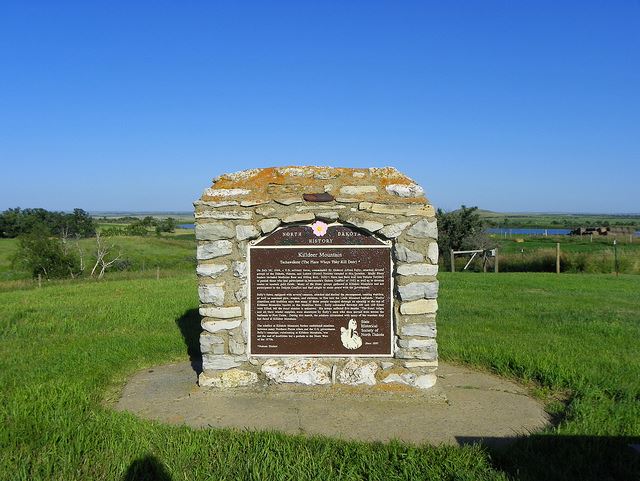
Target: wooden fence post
[495, 264]
[453, 261]
[39, 281]
[558, 258]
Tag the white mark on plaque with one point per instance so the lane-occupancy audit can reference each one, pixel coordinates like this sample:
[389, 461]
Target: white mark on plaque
[349, 336]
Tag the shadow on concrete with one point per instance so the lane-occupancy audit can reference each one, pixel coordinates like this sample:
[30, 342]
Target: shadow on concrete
[554, 457]
[189, 325]
[147, 468]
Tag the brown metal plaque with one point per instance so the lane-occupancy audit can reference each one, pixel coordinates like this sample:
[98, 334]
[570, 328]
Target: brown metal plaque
[320, 291]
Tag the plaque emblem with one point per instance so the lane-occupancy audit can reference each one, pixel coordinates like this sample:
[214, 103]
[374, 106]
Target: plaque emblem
[349, 336]
[319, 228]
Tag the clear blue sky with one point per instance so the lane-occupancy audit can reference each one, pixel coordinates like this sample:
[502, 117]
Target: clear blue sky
[137, 105]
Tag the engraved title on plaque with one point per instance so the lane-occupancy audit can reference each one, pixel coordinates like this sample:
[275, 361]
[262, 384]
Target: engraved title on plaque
[320, 290]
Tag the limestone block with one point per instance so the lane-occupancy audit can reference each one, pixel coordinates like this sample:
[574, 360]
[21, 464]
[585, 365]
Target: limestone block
[392, 231]
[214, 249]
[331, 216]
[421, 306]
[418, 364]
[236, 346]
[405, 190]
[417, 269]
[358, 189]
[425, 329]
[404, 378]
[253, 202]
[244, 232]
[314, 207]
[355, 372]
[417, 343]
[294, 171]
[210, 343]
[211, 270]
[432, 252]
[225, 215]
[265, 211]
[221, 312]
[426, 353]
[211, 192]
[268, 225]
[300, 371]
[404, 254]
[425, 381]
[241, 294]
[212, 362]
[222, 203]
[386, 365]
[214, 232]
[211, 294]
[325, 174]
[408, 210]
[240, 269]
[218, 326]
[302, 217]
[227, 379]
[424, 229]
[368, 225]
[418, 290]
[289, 200]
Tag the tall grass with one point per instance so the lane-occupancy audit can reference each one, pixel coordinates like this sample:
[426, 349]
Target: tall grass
[544, 260]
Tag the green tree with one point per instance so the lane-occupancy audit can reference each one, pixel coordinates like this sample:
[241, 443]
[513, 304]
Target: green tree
[166, 225]
[461, 229]
[42, 254]
[137, 228]
[17, 221]
[79, 223]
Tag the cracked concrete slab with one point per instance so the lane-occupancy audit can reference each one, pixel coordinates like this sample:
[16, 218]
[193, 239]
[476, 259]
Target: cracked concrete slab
[465, 406]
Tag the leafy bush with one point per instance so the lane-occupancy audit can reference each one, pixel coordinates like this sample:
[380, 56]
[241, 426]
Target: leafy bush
[44, 255]
[461, 229]
[137, 228]
[166, 225]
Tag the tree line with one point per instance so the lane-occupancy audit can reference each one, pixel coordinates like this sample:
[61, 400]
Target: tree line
[49, 247]
[16, 222]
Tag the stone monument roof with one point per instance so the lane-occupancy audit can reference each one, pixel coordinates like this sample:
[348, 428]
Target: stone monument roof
[254, 186]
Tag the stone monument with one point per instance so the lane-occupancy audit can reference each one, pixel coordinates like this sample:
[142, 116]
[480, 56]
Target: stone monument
[315, 276]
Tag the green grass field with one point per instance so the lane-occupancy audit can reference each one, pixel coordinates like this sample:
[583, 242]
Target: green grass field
[67, 347]
[526, 253]
[545, 220]
[175, 251]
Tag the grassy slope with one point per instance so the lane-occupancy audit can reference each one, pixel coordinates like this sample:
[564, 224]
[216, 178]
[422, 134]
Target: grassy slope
[61, 348]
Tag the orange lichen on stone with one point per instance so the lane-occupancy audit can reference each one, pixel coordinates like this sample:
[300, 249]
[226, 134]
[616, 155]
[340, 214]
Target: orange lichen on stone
[262, 185]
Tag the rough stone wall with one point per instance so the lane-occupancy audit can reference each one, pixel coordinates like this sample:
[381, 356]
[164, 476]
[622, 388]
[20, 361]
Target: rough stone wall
[249, 204]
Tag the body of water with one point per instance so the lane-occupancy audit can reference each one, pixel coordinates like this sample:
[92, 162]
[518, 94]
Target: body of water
[186, 226]
[516, 231]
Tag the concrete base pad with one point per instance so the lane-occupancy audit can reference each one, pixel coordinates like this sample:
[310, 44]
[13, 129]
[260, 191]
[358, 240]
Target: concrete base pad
[465, 406]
